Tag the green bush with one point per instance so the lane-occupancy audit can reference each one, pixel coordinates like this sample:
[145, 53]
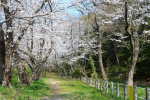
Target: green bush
[76, 73]
[94, 73]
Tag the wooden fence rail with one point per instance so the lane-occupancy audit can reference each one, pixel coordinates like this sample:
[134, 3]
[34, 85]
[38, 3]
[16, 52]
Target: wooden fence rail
[103, 85]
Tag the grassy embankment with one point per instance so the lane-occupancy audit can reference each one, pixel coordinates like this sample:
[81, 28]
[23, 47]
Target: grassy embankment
[118, 79]
[77, 90]
[69, 88]
[37, 89]
[74, 89]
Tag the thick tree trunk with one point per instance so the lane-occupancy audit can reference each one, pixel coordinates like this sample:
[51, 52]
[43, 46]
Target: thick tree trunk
[134, 58]
[37, 75]
[8, 69]
[8, 47]
[134, 43]
[23, 75]
[2, 54]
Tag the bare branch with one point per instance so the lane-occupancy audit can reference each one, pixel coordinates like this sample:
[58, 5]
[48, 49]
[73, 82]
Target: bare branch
[43, 3]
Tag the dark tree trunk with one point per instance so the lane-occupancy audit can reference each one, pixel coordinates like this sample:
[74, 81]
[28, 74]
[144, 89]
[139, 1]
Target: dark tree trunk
[8, 47]
[2, 54]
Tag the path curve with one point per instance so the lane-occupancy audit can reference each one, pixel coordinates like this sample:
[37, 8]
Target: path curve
[55, 89]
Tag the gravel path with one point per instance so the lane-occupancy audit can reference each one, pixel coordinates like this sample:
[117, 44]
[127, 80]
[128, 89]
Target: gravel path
[55, 89]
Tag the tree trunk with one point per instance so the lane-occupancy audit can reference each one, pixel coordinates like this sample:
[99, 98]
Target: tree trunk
[8, 47]
[134, 43]
[83, 70]
[101, 65]
[37, 75]
[115, 49]
[8, 69]
[40, 63]
[34, 74]
[2, 54]
[100, 57]
[23, 75]
[134, 58]
[65, 72]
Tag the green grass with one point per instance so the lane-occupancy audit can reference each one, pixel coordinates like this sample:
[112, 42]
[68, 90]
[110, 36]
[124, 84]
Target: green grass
[52, 74]
[140, 92]
[37, 89]
[69, 88]
[77, 90]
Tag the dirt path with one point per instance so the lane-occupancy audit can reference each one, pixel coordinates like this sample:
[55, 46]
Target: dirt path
[55, 89]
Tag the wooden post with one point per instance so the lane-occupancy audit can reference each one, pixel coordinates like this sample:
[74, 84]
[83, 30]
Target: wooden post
[107, 86]
[89, 81]
[98, 84]
[112, 88]
[86, 80]
[103, 86]
[147, 94]
[125, 91]
[117, 89]
[134, 92]
[93, 82]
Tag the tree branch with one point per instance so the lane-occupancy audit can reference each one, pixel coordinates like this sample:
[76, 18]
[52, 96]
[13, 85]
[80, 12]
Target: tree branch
[43, 3]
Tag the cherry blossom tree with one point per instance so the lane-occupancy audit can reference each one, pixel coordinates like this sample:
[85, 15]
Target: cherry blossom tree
[20, 16]
[100, 15]
[136, 16]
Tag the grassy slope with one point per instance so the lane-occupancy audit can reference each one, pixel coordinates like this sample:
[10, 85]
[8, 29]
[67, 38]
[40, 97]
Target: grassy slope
[73, 89]
[69, 88]
[140, 92]
[37, 89]
[77, 90]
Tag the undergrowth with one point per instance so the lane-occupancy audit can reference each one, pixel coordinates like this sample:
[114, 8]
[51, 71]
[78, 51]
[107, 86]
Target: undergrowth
[37, 89]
